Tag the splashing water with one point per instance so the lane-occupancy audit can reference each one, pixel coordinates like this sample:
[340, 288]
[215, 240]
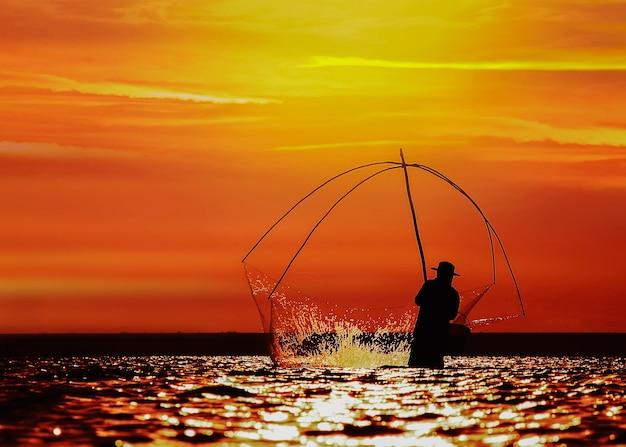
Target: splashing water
[318, 333]
[306, 330]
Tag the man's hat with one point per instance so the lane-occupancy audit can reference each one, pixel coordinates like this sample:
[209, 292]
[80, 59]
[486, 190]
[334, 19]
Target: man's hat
[446, 267]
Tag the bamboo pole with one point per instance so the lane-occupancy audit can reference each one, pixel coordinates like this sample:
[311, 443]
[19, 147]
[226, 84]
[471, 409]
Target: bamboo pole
[415, 227]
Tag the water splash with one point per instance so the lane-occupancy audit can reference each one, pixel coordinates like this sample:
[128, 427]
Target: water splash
[307, 330]
[318, 333]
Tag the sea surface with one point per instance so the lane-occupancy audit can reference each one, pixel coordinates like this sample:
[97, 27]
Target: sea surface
[184, 401]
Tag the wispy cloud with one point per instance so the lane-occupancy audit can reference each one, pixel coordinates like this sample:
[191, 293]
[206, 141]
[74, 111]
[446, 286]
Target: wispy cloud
[331, 61]
[526, 131]
[344, 145]
[84, 287]
[129, 90]
[457, 125]
[136, 91]
[63, 152]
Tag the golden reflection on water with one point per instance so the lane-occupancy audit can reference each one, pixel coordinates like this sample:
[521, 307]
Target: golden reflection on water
[223, 401]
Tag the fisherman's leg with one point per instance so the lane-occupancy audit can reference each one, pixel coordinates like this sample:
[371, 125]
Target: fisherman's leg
[438, 362]
[419, 345]
[412, 359]
[415, 354]
[413, 349]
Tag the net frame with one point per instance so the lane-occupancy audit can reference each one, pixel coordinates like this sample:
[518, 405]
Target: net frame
[468, 303]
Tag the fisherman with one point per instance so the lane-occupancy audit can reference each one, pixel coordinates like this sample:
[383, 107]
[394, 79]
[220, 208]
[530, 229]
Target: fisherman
[439, 303]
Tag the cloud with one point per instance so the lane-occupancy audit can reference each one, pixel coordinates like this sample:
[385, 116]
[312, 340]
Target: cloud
[330, 61]
[350, 144]
[83, 287]
[129, 90]
[532, 131]
[449, 129]
[52, 150]
[463, 126]
[21, 163]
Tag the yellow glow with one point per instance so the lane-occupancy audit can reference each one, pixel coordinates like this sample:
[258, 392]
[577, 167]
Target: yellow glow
[325, 61]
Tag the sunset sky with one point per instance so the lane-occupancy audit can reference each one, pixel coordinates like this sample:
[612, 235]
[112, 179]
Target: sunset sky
[146, 144]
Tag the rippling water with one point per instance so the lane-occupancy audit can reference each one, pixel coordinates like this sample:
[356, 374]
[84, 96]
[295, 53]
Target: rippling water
[182, 401]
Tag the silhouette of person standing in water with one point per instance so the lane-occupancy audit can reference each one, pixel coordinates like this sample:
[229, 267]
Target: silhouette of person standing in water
[439, 303]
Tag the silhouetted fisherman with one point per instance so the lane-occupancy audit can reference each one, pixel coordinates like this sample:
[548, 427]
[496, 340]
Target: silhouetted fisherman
[439, 303]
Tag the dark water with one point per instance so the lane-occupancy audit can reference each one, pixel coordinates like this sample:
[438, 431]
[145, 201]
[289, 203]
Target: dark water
[183, 401]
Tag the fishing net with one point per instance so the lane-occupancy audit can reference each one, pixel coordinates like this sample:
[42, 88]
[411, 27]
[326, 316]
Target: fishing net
[359, 269]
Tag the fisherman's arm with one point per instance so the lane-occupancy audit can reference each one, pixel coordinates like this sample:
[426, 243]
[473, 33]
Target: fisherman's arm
[419, 298]
[454, 308]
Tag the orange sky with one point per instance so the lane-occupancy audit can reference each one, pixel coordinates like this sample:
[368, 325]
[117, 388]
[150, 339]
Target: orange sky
[145, 145]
